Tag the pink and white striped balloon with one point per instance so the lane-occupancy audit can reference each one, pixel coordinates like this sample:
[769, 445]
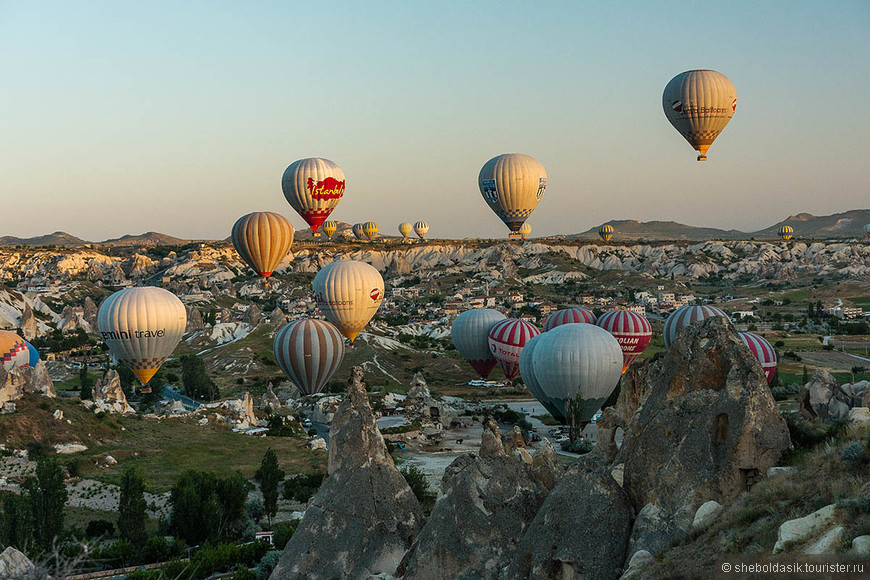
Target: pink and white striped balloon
[631, 330]
[506, 341]
[575, 314]
[763, 351]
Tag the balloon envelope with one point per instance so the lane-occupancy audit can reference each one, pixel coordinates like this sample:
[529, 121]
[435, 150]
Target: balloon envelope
[309, 352]
[631, 330]
[349, 294]
[421, 229]
[142, 326]
[687, 315]
[785, 233]
[358, 233]
[577, 361]
[405, 228]
[605, 232]
[506, 341]
[525, 231]
[13, 350]
[763, 351]
[699, 103]
[262, 239]
[575, 314]
[329, 227]
[470, 335]
[531, 380]
[33, 354]
[512, 184]
[370, 230]
[313, 187]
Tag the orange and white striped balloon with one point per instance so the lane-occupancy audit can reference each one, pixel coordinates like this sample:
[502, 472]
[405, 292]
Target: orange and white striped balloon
[263, 239]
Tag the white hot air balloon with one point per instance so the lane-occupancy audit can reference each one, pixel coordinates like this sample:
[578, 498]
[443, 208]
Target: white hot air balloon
[531, 380]
[349, 294]
[577, 361]
[699, 103]
[421, 229]
[470, 334]
[309, 352]
[512, 184]
[313, 187]
[141, 327]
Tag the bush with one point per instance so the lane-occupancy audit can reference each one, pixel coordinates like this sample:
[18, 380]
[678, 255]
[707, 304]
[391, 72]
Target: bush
[302, 486]
[854, 455]
[784, 392]
[267, 564]
[807, 434]
[244, 573]
[98, 528]
[283, 532]
[416, 481]
[581, 446]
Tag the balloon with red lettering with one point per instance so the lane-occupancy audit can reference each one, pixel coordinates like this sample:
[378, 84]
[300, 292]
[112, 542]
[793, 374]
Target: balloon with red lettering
[699, 103]
[309, 352]
[631, 330]
[142, 326]
[262, 239]
[313, 187]
[577, 361]
[575, 314]
[506, 341]
[512, 184]
[421, 229]
[349, 294]
[470, 335]
[329, 227]
[763, 351]
[13, 350]
[687, 315]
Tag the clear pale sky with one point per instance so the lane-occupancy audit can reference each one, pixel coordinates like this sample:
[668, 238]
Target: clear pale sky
[179, 117]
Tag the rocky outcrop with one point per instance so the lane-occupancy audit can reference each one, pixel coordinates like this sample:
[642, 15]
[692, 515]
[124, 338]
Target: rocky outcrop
[487, 502]
[420, 403]
[277, 318]
[15, 565]
[364, 517]
[399, 266]
[16, 383]
[824, 399]
[324, 408]
[800, 530]
[709, 427]
[108, 395]
[28, 323]
[89, 313]
[270, 400]
[581, 530]
[654, 531]
[194, 320]
[252, 315]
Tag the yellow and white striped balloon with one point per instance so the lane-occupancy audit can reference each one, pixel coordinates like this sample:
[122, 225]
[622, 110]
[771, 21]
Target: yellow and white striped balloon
[370, 230]
[349, 294]
[699, 103]
[405, 228]
[329, 227]
[263, 239]
[141, 327]
[512, 184]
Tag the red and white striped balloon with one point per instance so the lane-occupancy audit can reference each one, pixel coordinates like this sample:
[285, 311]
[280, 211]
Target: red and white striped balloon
[506, 341]
[569, 316]
[763, 351]
[687, 315]
[631, 330]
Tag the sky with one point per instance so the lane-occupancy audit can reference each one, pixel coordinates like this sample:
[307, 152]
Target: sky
[179, 117]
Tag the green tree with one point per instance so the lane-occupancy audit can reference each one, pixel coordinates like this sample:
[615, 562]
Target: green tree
[131, 509]
[16, 522]
[197, 384]
[232, 495]
[270, 476]
[85, 383]
[574, 412]
[806, 376]
[48, 495]
[195, 512]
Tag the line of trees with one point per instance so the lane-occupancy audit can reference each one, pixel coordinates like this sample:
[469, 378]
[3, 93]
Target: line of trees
[35, 518]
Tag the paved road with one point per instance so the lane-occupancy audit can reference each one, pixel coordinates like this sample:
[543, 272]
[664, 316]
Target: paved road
[171, 392]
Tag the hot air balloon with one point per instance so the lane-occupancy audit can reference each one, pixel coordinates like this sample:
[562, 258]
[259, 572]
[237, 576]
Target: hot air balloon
[309, 352]
[569, 316]
[867, 231]
[329, 228]
[405, 228]
[33, 354]
[763, 351]
[370, 230]
[349, 293]
[313, 187]
[262, 239]
[421, 229]
[785, 233]
[531, 380]
[525, 230]
[631, 330]
[687, 315]
[357, 230]
[512, 184]
[577, 361]
[470, 334]
[141, 327]
[13, 350]
[699, 103]
[506, 341]
[605, 232]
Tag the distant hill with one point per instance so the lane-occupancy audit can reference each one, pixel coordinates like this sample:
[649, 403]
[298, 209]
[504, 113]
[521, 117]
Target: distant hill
[55, 239]
[146, 239]
[844, 225]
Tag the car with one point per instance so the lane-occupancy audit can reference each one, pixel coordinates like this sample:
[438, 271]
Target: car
[306, 423]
